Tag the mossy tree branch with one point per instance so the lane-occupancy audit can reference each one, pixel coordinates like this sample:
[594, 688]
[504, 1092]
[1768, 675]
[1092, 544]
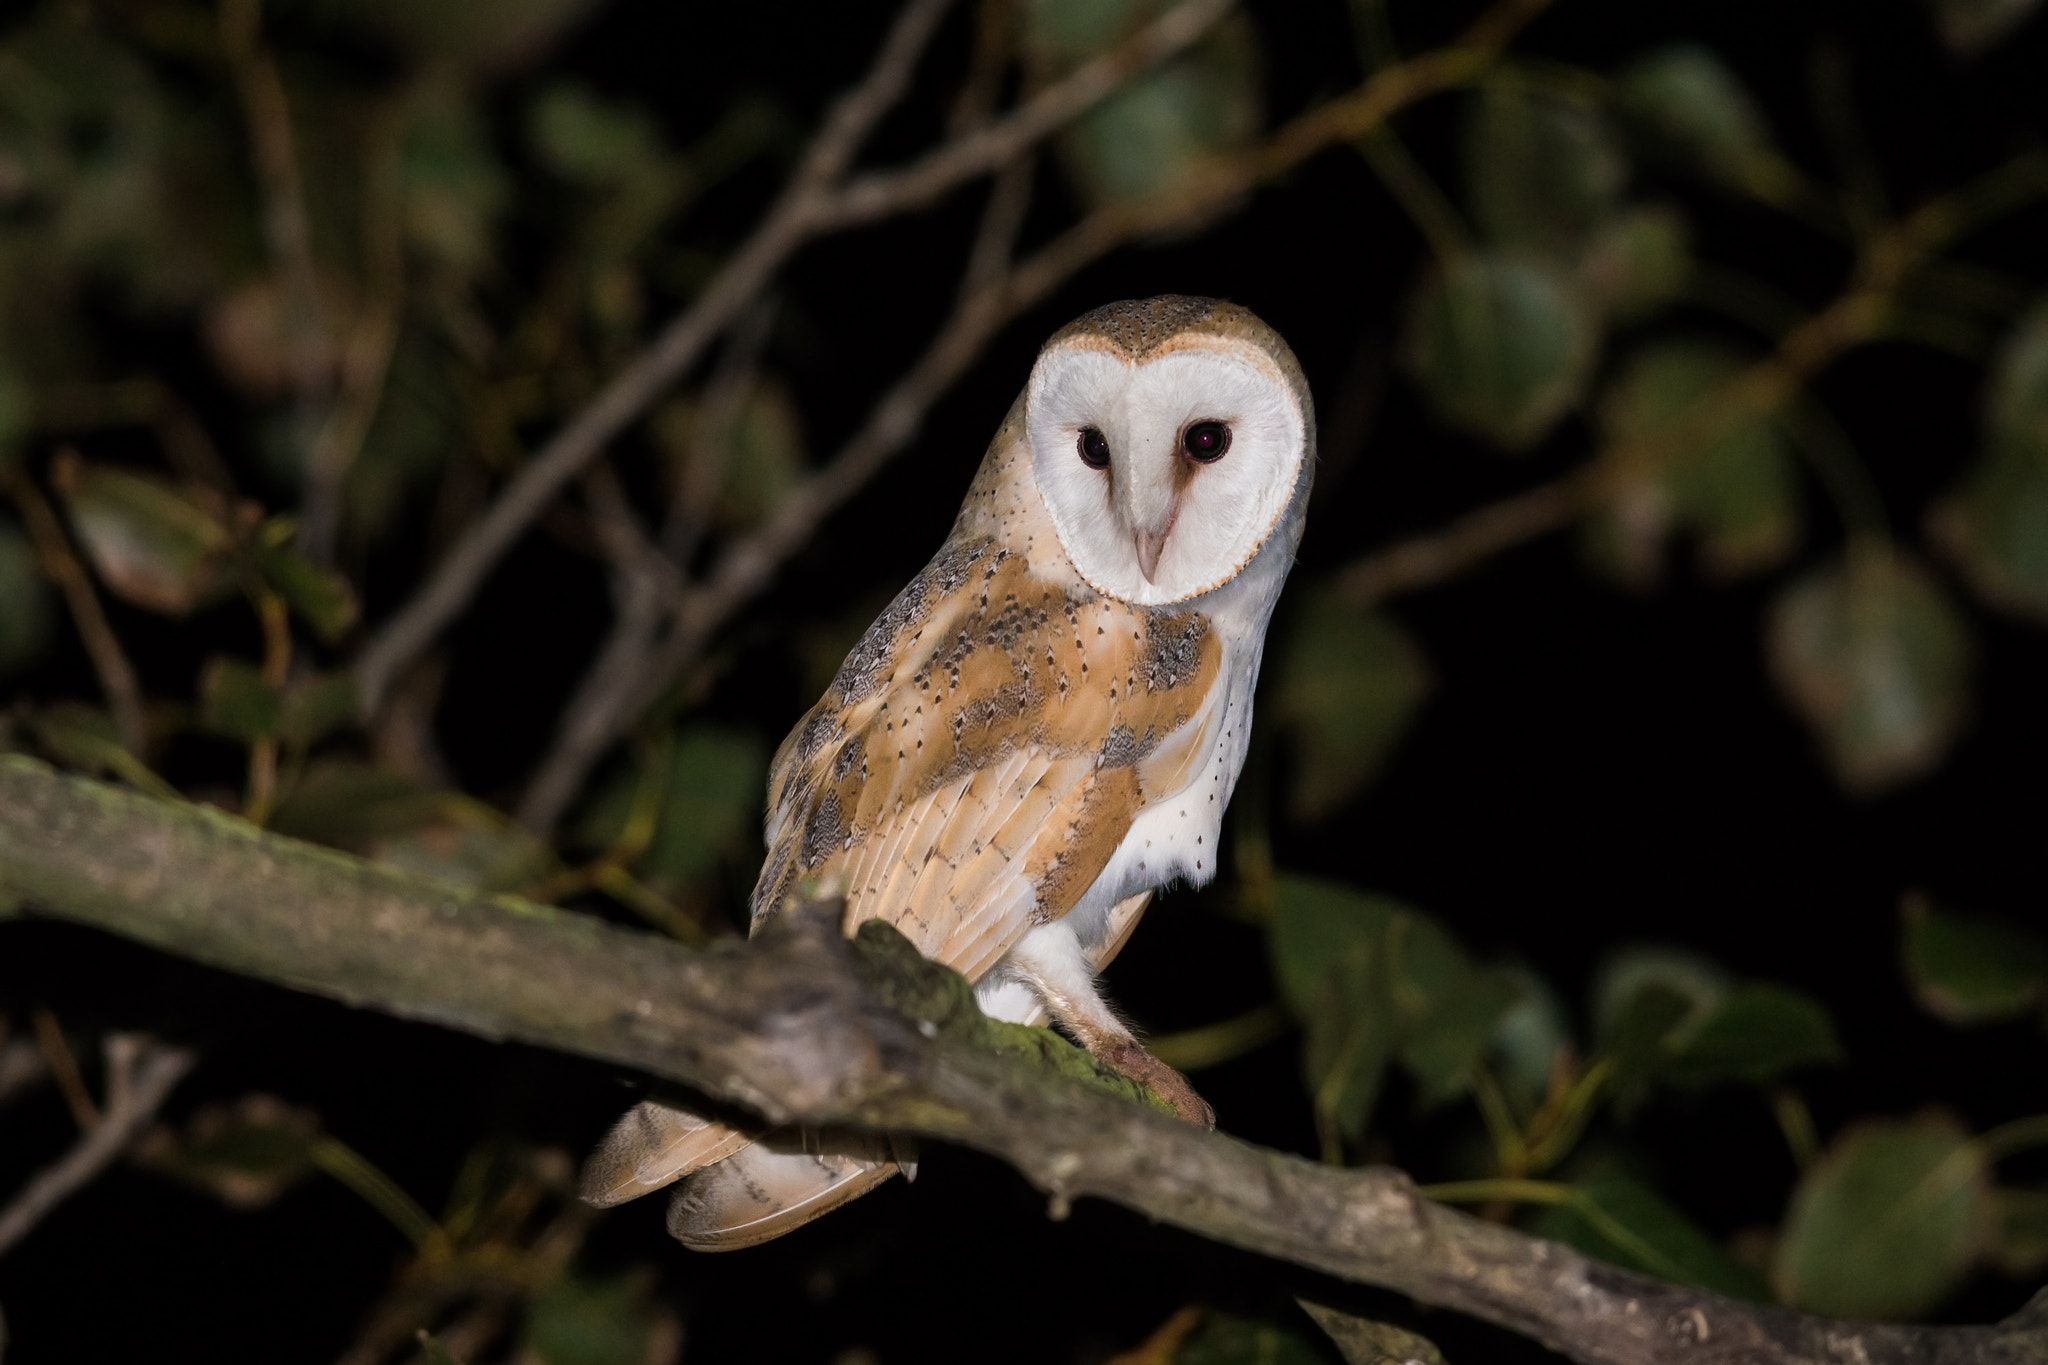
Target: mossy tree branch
[800, 1025]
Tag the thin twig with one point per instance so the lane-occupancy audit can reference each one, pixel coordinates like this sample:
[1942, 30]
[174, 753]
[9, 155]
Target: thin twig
[287, 229]
[109, 661]
[366, 357]
[63, 1065]
[789, 223]
[708, 446]
[883, 194]
[622, 683]
[140, 1075]
[748, 565]
[644, 590]
[806, 208]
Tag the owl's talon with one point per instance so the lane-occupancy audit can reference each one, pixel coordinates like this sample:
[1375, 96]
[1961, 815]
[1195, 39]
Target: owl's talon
[1132, 1060]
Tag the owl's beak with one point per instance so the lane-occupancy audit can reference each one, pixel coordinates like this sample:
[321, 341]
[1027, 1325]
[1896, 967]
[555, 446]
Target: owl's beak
[1152, 543]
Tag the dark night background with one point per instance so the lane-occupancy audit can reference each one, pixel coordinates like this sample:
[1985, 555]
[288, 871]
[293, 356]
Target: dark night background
[1593, 766]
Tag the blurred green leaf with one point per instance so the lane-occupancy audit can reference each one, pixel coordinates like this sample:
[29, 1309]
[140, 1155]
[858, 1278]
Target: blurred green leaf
[426, 831]
[26, 614]
[2016, 390]
[1756, 1033]
[1876, 660]
[1445, 1007]
[1968, 970]
[1696, 111]
[1886, 1223]
[2019, 1232]
[1967, 27]
[1145, 138]
[1374, 980]
[83, 737]
[314, 707]
[1639, 260]
[1502, 345]
[322, 597]
[1226, 1339]
[1648, 1003]
[1995, 528]
[1364, 1341]
[705, 806]
[454, 185]
[1331, 955]
[1698, 981]
[235, 702]
[418, 426]
[1638, 1045]
[1619, 1219]
[247, 1153]
[585, 1320]
[151, 542]
[1542, 169]
[1528, 1039]
[1738, 495]
[589, 140]
[1348, 685]
[1996, 523]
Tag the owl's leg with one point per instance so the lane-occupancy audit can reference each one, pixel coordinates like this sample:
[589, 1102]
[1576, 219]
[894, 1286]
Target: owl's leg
[1051, 961]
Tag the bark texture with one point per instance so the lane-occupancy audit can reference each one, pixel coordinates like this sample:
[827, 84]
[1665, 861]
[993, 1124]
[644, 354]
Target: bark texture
[802, 1024]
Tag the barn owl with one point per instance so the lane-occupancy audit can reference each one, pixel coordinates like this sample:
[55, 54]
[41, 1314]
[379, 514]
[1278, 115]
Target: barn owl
[1040, 731]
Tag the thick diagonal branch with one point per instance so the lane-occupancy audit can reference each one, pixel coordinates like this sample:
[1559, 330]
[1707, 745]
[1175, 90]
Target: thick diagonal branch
[786, 1026]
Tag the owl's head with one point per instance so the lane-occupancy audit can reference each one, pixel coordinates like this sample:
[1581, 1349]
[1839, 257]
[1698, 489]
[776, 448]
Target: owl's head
[1171, 439]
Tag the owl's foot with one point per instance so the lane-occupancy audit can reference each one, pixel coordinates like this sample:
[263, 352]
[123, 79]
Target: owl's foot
[1129, 1056]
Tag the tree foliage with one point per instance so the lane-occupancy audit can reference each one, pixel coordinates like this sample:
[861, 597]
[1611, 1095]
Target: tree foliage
[302, 301]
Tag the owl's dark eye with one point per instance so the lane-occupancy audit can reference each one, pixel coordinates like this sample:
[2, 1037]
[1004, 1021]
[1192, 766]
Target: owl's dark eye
[1206, 441]
[1094, 448]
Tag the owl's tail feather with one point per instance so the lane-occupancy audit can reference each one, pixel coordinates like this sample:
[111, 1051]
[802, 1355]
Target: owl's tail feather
[781, 1182]
[743, 1188]
[651, 1145]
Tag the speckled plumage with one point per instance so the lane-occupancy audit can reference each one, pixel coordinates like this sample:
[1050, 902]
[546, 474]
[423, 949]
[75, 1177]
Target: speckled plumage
[1010, 748]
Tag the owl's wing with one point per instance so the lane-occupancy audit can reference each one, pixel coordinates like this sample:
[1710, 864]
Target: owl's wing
[984, 751]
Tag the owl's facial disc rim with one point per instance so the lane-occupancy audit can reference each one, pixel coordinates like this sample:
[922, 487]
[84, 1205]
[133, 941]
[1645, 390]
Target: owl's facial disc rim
[1116, 534]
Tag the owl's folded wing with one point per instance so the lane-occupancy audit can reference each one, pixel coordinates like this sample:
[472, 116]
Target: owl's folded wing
[973, 770]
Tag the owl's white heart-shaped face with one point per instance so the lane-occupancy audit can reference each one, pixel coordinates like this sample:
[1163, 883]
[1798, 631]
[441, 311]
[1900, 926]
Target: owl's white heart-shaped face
[1165, 474]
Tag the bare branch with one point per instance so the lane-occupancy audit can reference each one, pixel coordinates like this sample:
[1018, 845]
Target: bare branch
[807, 208]
[799, 1026]
[883, 194]
[645, 586]
[140, 1075]
[748, 565]
[631, 674]
[788, 225]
